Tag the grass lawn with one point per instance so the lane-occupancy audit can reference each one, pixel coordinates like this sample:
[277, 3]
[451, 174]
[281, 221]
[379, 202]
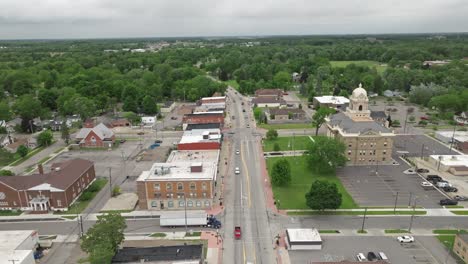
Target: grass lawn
[30, 154]
[360, 231]
[158, 235]
[447, 240]
[454, 206]
[116, 211]
[80, 205]
[370, 64]
[293, 196]
[329, 231]
[232, 83]
[285, 126]
[464, 212]
[300, 143]
[357, 213]
[10, 213]
[395, 231]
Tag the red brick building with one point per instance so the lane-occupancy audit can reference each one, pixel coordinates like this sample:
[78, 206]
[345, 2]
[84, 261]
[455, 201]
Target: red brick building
[203, 118]
[200, 139]
[99, 136]
[276, 93]
[55, 190]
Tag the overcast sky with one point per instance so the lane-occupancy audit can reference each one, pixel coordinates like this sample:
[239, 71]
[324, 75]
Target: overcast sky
[20, 19]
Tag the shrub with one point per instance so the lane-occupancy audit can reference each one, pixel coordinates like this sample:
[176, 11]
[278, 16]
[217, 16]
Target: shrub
[116, 191]
[423, 122]
[6, 173]
[86, 196]
[412, 118]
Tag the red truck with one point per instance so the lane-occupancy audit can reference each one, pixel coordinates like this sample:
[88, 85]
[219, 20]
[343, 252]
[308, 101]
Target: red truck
[237, 232]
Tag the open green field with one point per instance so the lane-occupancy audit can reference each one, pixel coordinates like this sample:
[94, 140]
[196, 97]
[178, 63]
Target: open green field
[371, 64]
[293, 196]
[285, 126]
[286, 143]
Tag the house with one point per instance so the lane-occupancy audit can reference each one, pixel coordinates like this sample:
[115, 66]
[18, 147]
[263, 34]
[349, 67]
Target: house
[99, 136]
[268, 101]
[200, 139]
[286, 113]
[13, 147]
[148, 120]
[203, 118]
[18, 246]
[336, 102]
[12, 124]
[187, 176]
[461, 118]
[296, 77]
[367, 141]
[5, 139]
[460, 246]
[276, 93]
[55, 190]
[389, 93]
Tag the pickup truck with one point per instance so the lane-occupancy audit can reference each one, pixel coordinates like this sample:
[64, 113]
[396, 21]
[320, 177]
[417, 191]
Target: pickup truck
[237, 232]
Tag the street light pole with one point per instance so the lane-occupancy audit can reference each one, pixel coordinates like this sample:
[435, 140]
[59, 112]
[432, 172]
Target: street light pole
[422, 151]
[364, 220]
[412, 216]
[110, 181]
[453, 136]
[396, 200]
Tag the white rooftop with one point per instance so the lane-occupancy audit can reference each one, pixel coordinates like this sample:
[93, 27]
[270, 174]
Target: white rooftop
[12, 239]
[213, 98]
[303, 235]
[196, 135]
[329, 99]
[191, 156]
[179, 171]
[461, 136]
[20, 256]
[206, 113]
[452, 160]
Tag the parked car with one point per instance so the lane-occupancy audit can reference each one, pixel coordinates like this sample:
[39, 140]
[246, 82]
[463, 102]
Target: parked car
[460, 198]
[424, 118]
[443, 184]
[248, 126]
[237, 170]
[409, 171]
[422, 170]
[360, 257]
[371, 256]
[123, 140]
[434, 178]
[448, 202]
[158, 141]
[427, 185]
[140, 133]
[450, 189]
[383, 256]
[405, 239]
[174, 118]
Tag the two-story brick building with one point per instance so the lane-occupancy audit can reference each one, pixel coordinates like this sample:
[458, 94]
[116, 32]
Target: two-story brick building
[203, 118]
[187, 177]
[55, 190]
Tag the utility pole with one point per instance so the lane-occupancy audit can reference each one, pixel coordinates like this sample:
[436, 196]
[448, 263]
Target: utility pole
[412, 216]
[396, 200]
[364, 220]
[410, 196]
[453, 136]
[422, 151]
[406, 120]
[110, 181]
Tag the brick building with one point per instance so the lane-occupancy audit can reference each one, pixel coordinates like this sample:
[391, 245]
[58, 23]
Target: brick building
[275, 93]
[367, 141]
[203, 118]
[286, 114]
[187, 177]
[200, 139]
[99, 136]
[55, 190]
[460, 246]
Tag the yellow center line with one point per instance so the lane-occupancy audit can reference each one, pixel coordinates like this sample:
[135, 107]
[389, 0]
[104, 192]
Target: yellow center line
[246, 174]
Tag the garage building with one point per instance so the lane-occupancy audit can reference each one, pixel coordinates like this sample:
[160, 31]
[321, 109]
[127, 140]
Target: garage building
[303, 239]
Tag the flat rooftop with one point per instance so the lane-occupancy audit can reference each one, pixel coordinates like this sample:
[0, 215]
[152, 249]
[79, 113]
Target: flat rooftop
[164, 254]
[197, 135]
[328, 99]
[303, 235]
[179, 171]
[452, 160]
[213, 98]
[191, 156]
[461, 136]
[10, 240]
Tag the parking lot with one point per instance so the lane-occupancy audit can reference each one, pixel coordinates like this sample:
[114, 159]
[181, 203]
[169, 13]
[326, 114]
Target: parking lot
[369, 188]
[425, 250]
[417, 145]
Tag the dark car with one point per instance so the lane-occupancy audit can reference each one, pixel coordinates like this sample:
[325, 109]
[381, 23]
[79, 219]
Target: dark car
[158, 141]
[422, 170]
[450, 189]
[123, 140]
[371, 256]
[140, 133]
[448, 202]
[174, 118]
[243, 110]
[434, 178]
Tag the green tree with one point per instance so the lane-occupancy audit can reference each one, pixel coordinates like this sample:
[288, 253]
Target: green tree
[318, 119]
[323, 195]
[132, 117]
[282, 80]
[22, 151]
[281, 173]
[45, 138]
[27, 107]
[149, 106]
[102, 240]
[326, 154]
[5, 113]
[272, 134]
[65, 131]
[6, 172]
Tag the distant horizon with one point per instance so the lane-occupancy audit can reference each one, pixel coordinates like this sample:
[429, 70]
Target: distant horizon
[234, 36]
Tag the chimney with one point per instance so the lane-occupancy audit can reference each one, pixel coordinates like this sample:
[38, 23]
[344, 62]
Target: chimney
[40, 169]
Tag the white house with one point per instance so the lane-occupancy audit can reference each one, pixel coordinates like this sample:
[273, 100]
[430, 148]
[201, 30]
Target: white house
[148, 120]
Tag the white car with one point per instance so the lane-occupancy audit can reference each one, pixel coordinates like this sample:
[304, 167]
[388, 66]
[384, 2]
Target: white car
[361, 257]
[237, 152]
[237, 170]
[409, 171]
[427, 185]
[405, 239]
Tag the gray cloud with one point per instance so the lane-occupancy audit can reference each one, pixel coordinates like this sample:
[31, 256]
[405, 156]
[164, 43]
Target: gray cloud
[140, 18]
